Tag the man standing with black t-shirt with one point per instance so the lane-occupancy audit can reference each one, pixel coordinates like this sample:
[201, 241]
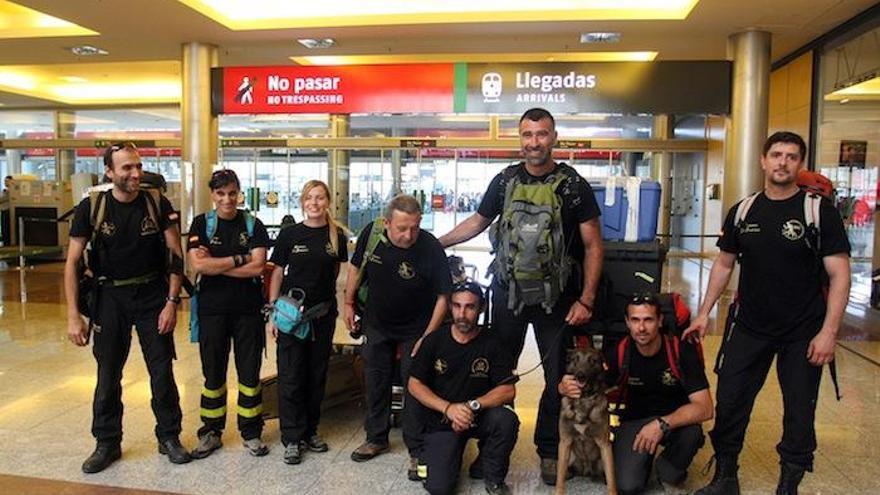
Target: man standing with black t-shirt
[583, 245]
[129, 260]
[663, 398]
[409, 282]
[227, 248]
[780, 311]
[463, 378]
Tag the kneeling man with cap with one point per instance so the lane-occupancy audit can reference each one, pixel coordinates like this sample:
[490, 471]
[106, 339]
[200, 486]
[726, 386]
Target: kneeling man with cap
[463, 377]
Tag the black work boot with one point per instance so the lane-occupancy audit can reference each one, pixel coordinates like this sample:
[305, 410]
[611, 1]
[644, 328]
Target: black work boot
[175, 452]
[790, 476]
[725, 481]
[104, 455]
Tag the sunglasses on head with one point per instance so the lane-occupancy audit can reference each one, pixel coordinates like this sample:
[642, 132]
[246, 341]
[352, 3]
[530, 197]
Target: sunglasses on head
[469, 286]
[122, 146]
[644, 298]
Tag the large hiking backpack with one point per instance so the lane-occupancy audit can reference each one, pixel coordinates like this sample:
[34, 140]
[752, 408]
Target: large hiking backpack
[210, 230]
[528, 241]
[87, 267]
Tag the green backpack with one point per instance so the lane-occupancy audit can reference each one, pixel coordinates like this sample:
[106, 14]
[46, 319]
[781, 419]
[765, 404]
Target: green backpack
[529, 246]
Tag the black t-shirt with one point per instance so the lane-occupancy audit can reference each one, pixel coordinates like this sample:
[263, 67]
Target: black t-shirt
[311, 265]
[781, 277]
[652, 388]
[128, 244]
[459, 372]
[578, 206]
[221, 294]
[404, 283]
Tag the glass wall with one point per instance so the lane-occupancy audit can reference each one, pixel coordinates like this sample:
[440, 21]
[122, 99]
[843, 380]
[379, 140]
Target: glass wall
[848, 140]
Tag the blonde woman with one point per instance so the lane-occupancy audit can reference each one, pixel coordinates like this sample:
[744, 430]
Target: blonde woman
[311, 252]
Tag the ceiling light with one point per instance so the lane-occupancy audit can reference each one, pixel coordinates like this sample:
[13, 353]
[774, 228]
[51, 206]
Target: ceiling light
[284, 14]
[132, 82]
[88, 51]
[17, 21]
[316, 43]
[425, 58]
[600, 37]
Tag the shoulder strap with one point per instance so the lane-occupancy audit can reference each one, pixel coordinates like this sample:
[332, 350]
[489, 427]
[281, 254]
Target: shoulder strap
[743, 208]
[812, 204]
[210, 224]
[623, 356]
[673, 353]
[97, 210]
[377, 232]
[249, 221]
[152, 198]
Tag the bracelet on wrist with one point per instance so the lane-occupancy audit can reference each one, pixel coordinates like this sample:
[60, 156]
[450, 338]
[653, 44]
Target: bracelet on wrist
[585, 305]
[174, 299]
[446, 410]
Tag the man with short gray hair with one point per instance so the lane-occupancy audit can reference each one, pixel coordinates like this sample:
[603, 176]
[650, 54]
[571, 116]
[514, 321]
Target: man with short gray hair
[409, 283]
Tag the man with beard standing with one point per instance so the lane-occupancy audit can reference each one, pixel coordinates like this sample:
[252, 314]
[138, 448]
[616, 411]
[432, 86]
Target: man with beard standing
[791, 249]
[128, 258]
[550, 285]
[463, 378]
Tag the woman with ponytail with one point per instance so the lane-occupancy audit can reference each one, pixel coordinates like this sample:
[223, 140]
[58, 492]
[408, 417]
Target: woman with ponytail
[311, 252]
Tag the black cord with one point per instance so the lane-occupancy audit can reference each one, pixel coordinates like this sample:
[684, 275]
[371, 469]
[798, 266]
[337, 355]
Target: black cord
[514, 377]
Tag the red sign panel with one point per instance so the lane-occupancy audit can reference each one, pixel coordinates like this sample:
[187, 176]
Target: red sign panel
[343, 89]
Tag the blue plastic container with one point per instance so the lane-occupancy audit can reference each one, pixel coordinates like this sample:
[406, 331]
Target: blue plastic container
[614, 217]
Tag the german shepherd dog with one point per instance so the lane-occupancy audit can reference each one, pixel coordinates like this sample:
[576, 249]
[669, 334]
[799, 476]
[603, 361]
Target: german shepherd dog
[583, 423]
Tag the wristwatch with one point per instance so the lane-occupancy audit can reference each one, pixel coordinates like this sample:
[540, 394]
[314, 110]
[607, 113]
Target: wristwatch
[664, 426]
[474, 405]
[175, 300]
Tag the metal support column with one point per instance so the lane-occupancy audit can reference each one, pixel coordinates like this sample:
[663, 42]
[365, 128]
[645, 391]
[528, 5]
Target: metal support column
[65, 160]
[747, 125]
[662, 173]
[199, 129]
[340, 161]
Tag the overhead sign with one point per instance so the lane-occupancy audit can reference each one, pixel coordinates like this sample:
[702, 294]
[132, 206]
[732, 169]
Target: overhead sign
[344, 89]
[614, 87]
[619, 87]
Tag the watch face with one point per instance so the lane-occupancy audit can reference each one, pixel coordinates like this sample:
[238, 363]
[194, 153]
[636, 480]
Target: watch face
[474, 405]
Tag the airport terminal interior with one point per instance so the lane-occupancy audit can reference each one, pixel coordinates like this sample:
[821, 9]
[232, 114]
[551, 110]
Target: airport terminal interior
[378, 98]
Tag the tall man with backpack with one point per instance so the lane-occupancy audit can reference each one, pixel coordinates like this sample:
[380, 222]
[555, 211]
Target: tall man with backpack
[661, 400]
[793, 287]
[131, 234]
[548, 258]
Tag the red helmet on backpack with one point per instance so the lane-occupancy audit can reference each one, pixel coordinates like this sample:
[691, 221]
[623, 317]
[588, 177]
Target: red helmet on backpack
[815, 182]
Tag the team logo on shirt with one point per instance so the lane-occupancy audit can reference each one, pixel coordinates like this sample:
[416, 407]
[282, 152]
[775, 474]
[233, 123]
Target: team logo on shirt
[480, 367]
[107, 228]
[299, 249]
[148, 226]
[242, 239]
[793, 230]
[328, 248]
[215, 241]
[406, 270]
[668, 379]
[440, 366]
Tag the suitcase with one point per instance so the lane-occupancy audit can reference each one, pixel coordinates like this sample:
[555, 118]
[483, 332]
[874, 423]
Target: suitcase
[628, 268]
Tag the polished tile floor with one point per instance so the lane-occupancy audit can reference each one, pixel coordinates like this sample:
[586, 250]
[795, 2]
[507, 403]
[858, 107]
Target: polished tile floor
[46, 386]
